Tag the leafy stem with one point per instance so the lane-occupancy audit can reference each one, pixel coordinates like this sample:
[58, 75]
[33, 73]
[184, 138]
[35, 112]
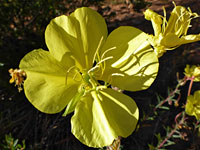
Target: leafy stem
[178, 124]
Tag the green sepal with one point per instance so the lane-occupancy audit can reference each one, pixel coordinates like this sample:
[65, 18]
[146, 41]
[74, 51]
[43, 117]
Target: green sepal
[72, 104]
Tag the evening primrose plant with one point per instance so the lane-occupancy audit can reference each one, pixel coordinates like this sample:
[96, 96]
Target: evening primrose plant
[77, 71]
[192, 106]
[170, 34]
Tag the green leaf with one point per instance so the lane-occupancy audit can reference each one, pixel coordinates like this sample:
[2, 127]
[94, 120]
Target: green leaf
[151, 147]
[176, 136]
[169, 143]
[158, 136]
[101, 116]
[158, 98]
[15, 143]
[164, 107]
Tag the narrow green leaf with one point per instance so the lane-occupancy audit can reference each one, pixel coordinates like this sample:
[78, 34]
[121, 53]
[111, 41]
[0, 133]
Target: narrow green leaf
[15, 142]
[164, 107]
[176, 136]
[169, 143]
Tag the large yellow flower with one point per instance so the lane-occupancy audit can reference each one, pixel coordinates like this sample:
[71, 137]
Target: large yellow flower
[168, 35]
[80, 55]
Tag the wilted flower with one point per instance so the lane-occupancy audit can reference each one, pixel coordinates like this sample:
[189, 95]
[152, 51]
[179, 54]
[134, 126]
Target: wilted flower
[193, 72]
[168, 35]
[192, 107]
[17, 76]
[80, 55]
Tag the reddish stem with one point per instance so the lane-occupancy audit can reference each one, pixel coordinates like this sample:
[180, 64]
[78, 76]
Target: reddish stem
[165, 140]
[178, 115]
[174, 130]
[181, 83]
[190, 86]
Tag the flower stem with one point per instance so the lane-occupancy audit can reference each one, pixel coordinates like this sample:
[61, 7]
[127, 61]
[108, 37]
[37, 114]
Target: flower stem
[190, 86]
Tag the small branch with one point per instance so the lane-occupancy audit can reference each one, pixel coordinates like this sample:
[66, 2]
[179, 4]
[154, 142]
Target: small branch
[174, 130]
[165, 140]
[167, 99]
[180, 83]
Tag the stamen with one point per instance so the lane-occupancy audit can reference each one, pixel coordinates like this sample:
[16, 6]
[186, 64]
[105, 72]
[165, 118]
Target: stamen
[179, 19]
[109, 81]
[97, 50]
[189, 9]
[101, 87]
[92, 69]
[93, 83]
[180, 30]
[192, 16]
[174, 3]
[77, 72]
[112, 48]
[164, 24]
[69, 70]
[103, 60]
[98, 65]
[99, 96]
[74, 77]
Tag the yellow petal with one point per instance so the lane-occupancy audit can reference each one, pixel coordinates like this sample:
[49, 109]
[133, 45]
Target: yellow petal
[46, 86]
[170, 40]
[189, 109]
[155, 19]
[189, 38]
[79, 35]
[100, 117]
[93, 32]
[133, 65]
[192, 107]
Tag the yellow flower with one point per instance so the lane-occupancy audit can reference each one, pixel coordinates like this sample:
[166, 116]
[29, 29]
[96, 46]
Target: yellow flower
[170, 34]
[80, 55]
[193, 71]
[192, 107]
